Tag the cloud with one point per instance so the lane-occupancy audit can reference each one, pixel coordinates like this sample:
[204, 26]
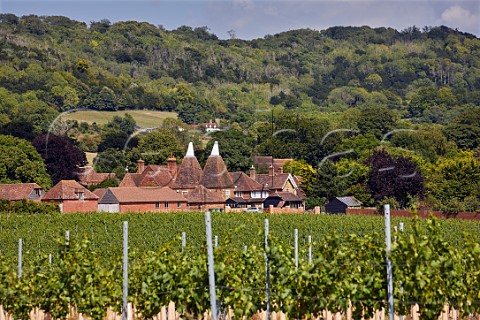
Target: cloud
[460, 17]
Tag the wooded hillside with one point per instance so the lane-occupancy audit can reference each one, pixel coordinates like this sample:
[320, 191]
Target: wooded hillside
[281, 95]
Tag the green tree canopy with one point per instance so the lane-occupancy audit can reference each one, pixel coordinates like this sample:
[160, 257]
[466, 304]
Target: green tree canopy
[235, 148]
[156, 146]
[20, 162]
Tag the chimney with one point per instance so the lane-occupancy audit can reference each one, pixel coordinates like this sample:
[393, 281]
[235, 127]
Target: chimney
[140, 166]
[271, 171]
[172, 164]
[252, 172]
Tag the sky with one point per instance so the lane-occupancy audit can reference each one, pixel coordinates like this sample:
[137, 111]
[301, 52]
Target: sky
[251, 19]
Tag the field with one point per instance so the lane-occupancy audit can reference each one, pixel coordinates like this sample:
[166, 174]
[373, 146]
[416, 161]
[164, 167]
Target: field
[150, 231]
[144, 118]
[90, 157]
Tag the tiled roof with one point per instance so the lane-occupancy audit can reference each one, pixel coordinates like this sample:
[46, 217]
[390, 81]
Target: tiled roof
[279, 180]
[87, 176]
[189, 174]
[202, 195]
[138, 195]
[17, 191]
[286, 196]
[152, 176]
[68, 190]
[238, 200]
[100, 192]
[131, 180]
[242, 182]
[263, 162]
[350, 201]
[160, 177]
[215, 174]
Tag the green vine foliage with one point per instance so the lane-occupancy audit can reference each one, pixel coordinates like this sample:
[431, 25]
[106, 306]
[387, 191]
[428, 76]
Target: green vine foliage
[345, 270]
[429, 271]
[79, 279]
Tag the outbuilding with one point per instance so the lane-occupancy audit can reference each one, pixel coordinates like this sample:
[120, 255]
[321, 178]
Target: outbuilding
[340, 204]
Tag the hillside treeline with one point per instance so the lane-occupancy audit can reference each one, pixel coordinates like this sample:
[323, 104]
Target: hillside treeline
[54, 64]
[346, 102]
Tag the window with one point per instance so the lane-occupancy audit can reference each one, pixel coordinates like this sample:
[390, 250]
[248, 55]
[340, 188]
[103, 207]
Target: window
[157, 205]
[256, 194]
[80, 196]
[238, 193]
[227, 193]
[179, 204]
[184, 192]
[166, 204]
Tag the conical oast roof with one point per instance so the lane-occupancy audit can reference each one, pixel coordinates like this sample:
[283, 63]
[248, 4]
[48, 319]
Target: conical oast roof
[215, 173]
[189, 172]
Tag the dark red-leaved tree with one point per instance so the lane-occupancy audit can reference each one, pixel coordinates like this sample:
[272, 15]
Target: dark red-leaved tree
[396, 177]
[62, 158]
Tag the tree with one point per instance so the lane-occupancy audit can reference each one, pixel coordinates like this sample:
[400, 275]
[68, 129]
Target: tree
[326, 184]
[19, 129]
[377, 120]
[156, 146]
[396, 177]
[456, 179]
[374, 81]
[465, 130]
[235, 148]
[20, 162]
[116, 140]
[124, 124]
[62, 158]
[112, 160]
[428, 142]
[303, 170]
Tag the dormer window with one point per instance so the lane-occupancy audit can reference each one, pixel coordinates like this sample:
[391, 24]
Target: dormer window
[80, 195]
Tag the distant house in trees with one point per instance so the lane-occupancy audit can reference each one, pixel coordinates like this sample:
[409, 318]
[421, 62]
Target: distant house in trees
[209, 126]
[340, 204]
[87, 176]
[71, 197]
[20, 191]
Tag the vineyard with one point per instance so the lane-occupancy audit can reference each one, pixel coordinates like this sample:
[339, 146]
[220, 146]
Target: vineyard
[435, 262]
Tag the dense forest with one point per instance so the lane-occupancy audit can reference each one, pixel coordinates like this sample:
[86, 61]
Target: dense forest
[345, 103]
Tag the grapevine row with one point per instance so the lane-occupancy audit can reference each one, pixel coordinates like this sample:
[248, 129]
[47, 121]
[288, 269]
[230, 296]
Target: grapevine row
[346, 269]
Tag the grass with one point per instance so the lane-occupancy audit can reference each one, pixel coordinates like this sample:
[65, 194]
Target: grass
[90, 157]
[144, 118]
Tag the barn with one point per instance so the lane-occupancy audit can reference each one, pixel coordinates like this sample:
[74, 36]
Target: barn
[340, 204]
